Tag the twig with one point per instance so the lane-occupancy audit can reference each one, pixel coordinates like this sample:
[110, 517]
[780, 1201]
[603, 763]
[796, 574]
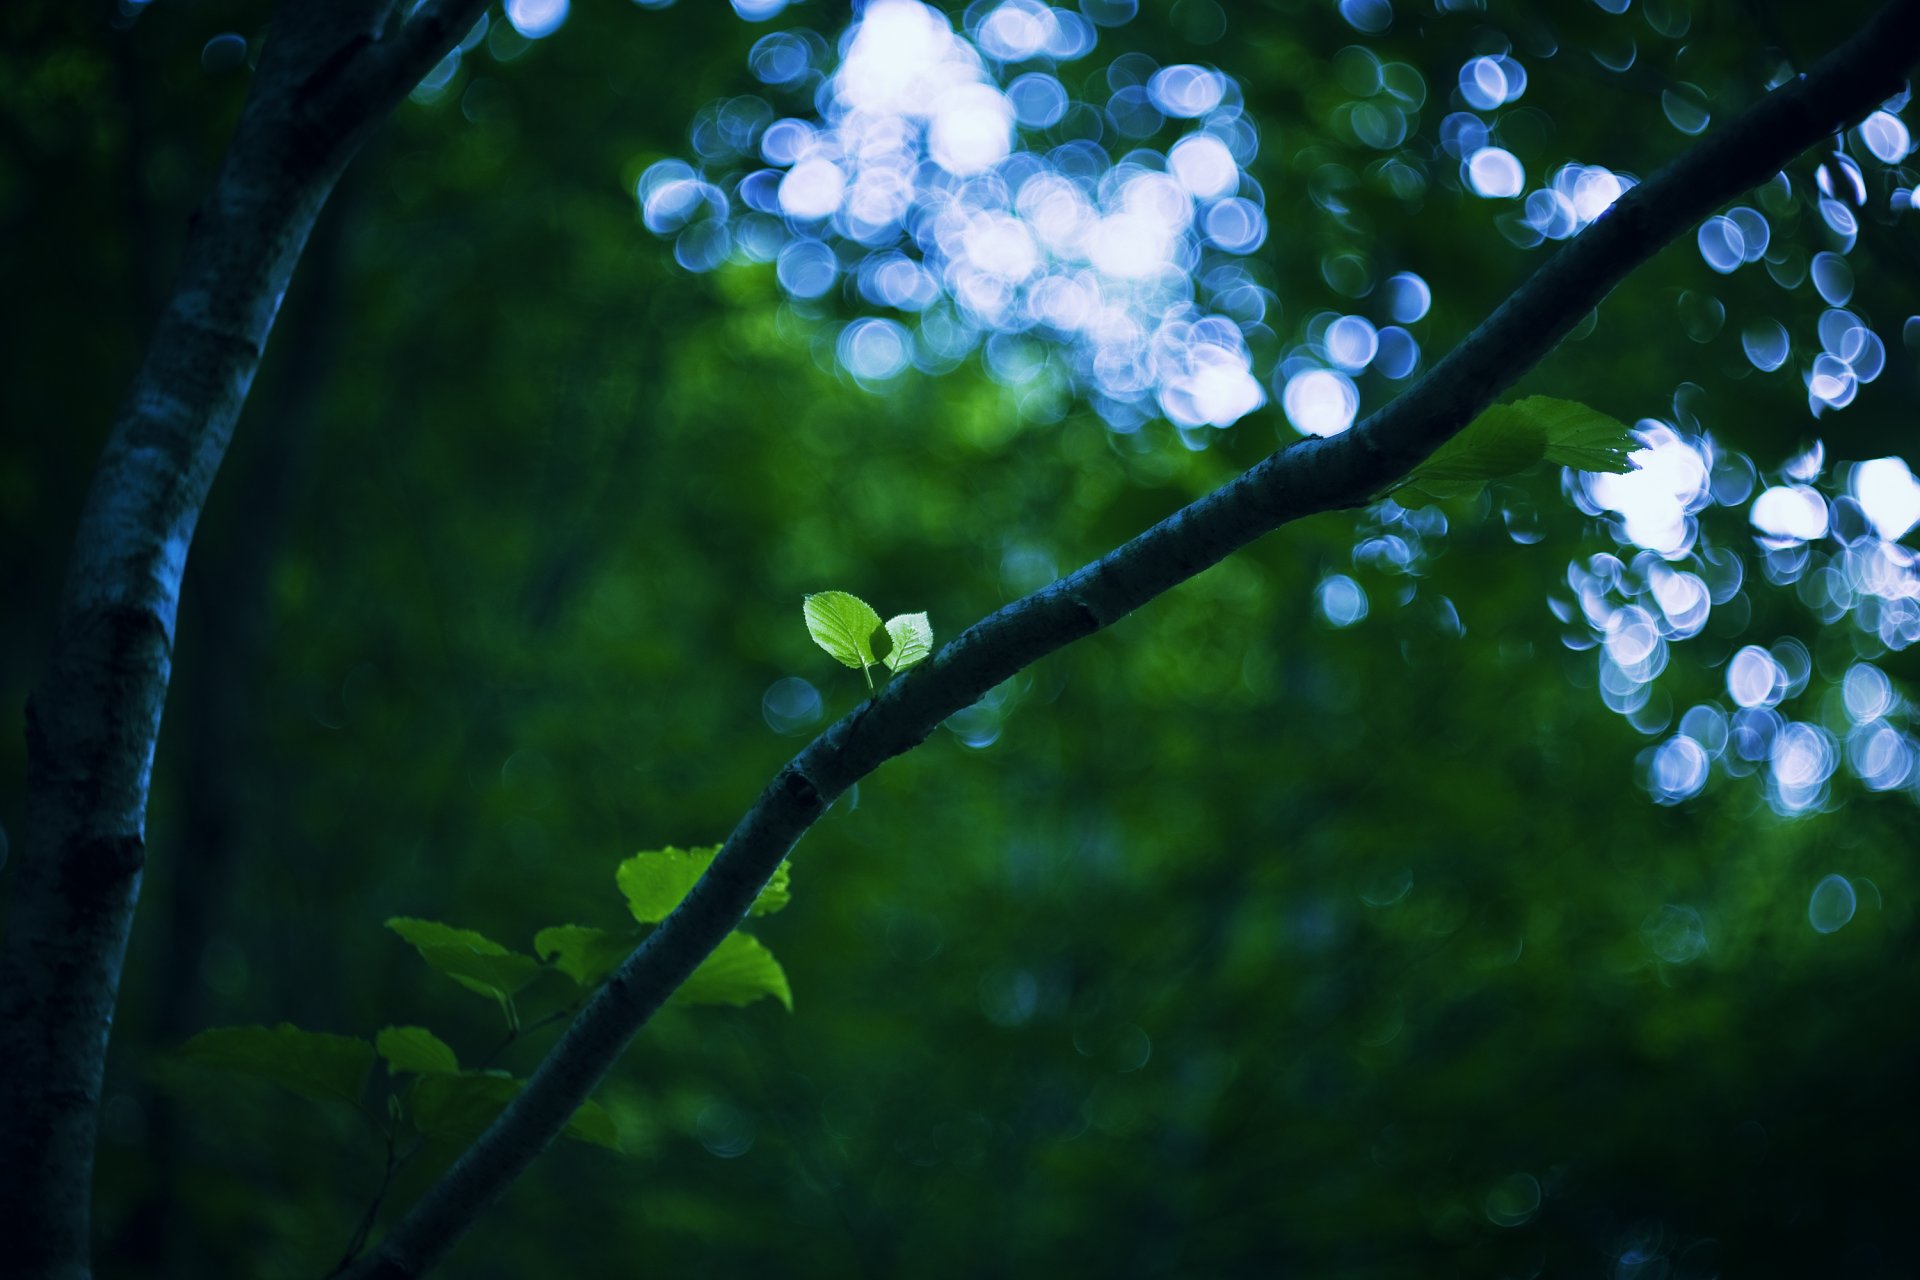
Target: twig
[367, 1219]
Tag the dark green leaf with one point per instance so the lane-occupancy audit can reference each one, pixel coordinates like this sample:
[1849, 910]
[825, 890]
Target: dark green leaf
[418, 1050]
[312, 1064]
[475, 962]
[1583, 438]
[457, 1108]
[1509, 438]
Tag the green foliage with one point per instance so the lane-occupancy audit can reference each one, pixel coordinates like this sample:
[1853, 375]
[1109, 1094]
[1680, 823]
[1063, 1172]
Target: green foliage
[477, 963]
[1509, 438]
[448, 1104]
[416, 1050]
[582, 952]
[455, 1108]
[739, 971]
[847, 627]
[655, 881]
[326, 1068]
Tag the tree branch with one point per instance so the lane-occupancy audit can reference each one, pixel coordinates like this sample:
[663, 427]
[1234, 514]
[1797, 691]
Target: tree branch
[1309, 477]
[422, 40]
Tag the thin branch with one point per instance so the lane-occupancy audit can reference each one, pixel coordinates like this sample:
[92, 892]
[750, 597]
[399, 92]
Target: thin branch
[517, 1034]
[364, 1227]
[1310, 477]
[399, 62]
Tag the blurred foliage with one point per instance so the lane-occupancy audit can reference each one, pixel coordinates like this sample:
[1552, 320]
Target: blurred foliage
[1222, 944]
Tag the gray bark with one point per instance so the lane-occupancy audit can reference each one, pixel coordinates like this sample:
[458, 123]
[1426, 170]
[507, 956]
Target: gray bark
[327, 75]
[1312, 476]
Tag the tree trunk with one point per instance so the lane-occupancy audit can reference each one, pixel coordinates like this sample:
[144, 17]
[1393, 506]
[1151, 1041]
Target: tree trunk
[327, 75]
[93, 722]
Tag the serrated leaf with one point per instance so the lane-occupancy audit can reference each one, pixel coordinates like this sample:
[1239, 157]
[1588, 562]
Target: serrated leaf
[1582, 437]
[776, 893]
[654, 882]
[843, 625]
[740, 971]
[1497, 443]
[910, 640]
[582, 953]
[417, 1050]
[457, 1108]
[315, 1065]
[1509, 438]
[476, 962]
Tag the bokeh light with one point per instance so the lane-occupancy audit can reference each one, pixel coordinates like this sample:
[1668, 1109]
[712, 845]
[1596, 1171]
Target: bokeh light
[968, 195]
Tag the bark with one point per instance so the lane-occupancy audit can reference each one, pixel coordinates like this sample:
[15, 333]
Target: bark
[1310, 477]
[327, 75]
[224, 637]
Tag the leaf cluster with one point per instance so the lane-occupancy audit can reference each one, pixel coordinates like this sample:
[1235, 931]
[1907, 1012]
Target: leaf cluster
[850, 629]
[441, 1100]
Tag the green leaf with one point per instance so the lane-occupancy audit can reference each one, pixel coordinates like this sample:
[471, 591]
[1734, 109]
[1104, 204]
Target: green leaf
[1497, 443]
[418, 1050]
[591, 1123]
[1583, 438]
[654, 882]
[475, 962]
[1509, 438]
[843, 625]
[776, 893]
[910, 637]
[582, 953]
[457, 1108]
[310, 1063]
[739, 971]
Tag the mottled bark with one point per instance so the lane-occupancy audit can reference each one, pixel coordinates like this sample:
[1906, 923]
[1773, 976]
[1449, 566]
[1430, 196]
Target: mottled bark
[1310, 477]
[327, 75]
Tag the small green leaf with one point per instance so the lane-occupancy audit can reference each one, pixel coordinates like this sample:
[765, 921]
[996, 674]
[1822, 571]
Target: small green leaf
[457, 1108]
[776, 893]
[476, 962]
[843, 625]
[739, 971]
[910, 636]
[418, 1050]
[584, 954]
[1509, 438]
[654, 882]
[310, 1063]
[591, 1123]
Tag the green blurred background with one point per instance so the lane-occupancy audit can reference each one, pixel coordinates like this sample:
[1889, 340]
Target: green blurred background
[1225, 943]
